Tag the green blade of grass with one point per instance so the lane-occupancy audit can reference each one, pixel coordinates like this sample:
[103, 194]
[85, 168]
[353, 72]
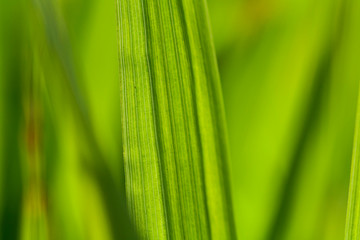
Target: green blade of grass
[174, 138]
[11, 28]
[351, 39]
[61, 88]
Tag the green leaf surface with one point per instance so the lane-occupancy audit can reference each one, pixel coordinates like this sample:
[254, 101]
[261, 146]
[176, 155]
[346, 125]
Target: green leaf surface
[174, 137]
[352, 38]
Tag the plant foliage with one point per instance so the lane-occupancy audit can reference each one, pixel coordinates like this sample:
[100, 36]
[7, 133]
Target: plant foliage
[175, 149]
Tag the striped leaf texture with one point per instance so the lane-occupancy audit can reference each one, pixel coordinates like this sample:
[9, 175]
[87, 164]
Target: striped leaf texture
[174, 136]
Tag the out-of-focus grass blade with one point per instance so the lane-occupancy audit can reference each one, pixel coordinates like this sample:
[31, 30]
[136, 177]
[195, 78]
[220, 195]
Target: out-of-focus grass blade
[352, 38]
[175, 147]
[269, 62]
[78, 143]
[11, 39]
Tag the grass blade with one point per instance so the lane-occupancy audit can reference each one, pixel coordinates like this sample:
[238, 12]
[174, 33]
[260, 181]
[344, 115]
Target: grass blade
[351, 37]
[175, 149]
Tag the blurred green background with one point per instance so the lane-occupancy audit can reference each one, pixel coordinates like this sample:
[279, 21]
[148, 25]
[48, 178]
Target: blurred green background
[290, 74]
[290, 82]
